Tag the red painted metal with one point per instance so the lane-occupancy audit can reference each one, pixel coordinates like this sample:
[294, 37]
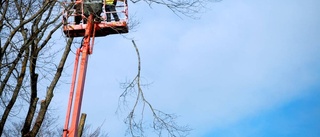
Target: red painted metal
[103, 29]
[88, 31]
[74, 76]
[85, 50]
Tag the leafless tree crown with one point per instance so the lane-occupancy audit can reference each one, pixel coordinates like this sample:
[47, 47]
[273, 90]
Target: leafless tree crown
[26, 30]
[29, 73]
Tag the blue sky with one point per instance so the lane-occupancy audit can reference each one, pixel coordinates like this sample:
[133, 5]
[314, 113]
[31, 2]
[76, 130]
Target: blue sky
[245, 69]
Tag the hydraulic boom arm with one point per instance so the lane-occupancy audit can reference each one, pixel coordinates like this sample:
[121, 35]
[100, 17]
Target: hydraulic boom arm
[79, 78]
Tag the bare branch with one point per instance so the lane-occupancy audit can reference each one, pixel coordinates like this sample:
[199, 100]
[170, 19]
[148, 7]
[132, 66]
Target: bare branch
[162, 122]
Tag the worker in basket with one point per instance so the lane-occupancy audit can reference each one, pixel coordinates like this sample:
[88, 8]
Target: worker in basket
[77, 7]
[93, 7]
[110, 7]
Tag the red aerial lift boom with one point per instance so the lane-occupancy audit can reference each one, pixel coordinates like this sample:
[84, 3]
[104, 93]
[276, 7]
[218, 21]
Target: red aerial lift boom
[88, 31]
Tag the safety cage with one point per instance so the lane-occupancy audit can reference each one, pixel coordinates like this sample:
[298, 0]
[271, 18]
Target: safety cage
[76, 13]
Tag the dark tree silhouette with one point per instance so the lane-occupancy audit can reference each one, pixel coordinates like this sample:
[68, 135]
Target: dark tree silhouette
[26, 29]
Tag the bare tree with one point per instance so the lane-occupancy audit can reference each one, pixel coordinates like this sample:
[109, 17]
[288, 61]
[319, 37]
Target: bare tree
[26, 29]
[163, 123]
[29, 74]
[188, 8]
